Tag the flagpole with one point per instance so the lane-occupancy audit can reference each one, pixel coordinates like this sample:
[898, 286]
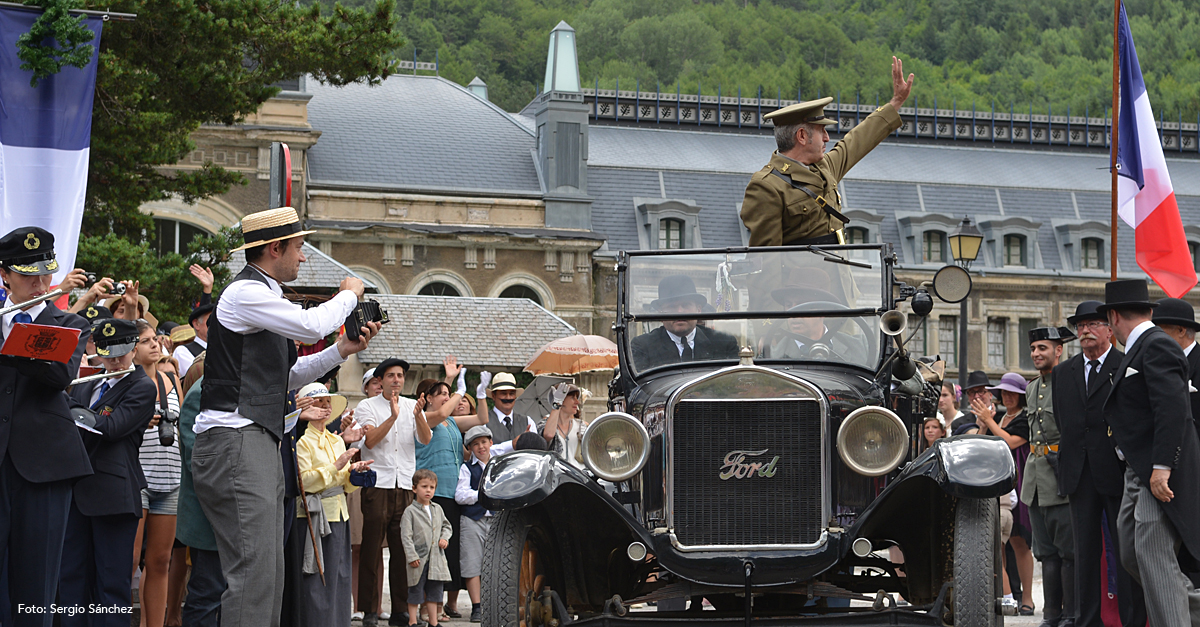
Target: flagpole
[1116, 112]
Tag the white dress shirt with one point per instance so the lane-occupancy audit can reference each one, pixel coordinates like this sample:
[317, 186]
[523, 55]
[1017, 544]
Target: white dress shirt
[112, 383]
[463, 494]
[396, 454]
[184, 356]
[247, 307]
[678, 339]
[1087, 369]
[503, 416]
[33, 312]
[1187, 352]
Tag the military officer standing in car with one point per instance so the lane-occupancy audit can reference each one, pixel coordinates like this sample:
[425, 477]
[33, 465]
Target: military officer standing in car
[794, 199]
[1049, 512]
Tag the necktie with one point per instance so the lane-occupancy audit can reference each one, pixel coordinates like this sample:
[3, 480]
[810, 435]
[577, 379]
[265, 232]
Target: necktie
[103, 390]
[508, 423]
[687, 350]
[22, 317]
[1093, 372]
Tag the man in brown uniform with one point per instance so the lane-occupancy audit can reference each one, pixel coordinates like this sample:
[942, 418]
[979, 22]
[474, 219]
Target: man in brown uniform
[794, 200]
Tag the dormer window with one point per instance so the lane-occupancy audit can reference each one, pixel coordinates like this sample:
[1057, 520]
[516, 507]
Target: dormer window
[1014, 250]
[670, 234]
[1091, 254]
[933, 248]
[856, 235]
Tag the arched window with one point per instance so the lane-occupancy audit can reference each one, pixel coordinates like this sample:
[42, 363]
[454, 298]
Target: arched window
[173, 236]
[438, 288]
[1014, 250]
[670, 234]
[521, 291]
[933, 250]
[856, 235]
[1092, 254]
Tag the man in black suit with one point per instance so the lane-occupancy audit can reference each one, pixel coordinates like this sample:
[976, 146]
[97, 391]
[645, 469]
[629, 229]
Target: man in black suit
[106, 507]
[1088, 469]
[1151, 421]
[678, 341]
[40, 446]
[1178, 319]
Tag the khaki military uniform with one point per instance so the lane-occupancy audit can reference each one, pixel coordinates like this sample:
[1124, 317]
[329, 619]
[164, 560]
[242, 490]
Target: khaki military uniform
[1049, 513]
[777, 213]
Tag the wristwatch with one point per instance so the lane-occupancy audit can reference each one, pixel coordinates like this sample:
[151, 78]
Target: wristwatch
[556, 405]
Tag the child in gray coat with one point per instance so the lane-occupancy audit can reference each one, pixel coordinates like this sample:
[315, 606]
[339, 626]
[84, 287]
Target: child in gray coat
[425, 533]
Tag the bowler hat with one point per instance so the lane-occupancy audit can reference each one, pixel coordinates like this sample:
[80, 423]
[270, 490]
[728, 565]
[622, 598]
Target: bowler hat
[476, 432]
[808, 112]
[1126, 293]
[1177, 312]
[976, 378]
[675, 288]
[1087, 310]
[28, 250]
[1011, 382]
[390, 362]
[1054, 334]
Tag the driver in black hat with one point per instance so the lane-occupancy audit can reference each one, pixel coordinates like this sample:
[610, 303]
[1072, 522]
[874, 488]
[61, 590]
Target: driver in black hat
[681, 340]
[41, 451]
[1148, 413]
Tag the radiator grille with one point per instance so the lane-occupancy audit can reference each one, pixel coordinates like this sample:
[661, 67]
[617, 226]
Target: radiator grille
[754, 509]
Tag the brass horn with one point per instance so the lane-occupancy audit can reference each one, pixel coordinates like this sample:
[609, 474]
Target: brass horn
[893, 323]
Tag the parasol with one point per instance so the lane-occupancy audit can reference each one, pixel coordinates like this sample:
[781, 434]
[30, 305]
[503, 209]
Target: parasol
[574, 354]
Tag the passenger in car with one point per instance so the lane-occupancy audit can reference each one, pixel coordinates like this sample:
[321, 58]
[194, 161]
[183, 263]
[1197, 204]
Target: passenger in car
[809, 338]
[678, 341]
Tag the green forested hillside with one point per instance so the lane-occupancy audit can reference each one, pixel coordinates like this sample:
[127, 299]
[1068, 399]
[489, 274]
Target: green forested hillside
[1053, 53]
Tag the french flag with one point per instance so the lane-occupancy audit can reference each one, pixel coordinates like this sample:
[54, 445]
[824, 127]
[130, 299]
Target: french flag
[45, 139]
[1145, 198]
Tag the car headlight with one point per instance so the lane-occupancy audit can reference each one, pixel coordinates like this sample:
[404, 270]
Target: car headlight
[872, 441]
[615, 446]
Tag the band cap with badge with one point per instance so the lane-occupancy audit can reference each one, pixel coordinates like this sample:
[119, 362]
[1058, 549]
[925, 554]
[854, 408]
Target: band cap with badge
[28, 250]
[114, 337]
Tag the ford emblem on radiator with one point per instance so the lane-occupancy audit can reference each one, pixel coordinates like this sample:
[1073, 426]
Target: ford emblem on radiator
[736, 466]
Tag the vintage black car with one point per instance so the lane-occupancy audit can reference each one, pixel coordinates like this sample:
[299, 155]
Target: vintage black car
[766, 478]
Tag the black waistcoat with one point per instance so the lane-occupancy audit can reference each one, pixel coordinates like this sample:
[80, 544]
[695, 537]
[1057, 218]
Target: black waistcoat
[248, 373]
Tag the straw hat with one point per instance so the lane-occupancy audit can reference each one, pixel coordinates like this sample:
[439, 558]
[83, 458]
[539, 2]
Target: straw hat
[182, 334]
[143, 304]
[269, 226]
[316, 390]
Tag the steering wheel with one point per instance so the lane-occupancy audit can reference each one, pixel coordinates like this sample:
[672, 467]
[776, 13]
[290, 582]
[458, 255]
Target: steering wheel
[868, 333]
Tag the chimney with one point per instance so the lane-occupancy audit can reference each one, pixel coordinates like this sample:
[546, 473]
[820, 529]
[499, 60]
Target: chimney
[561, 118]
[478, 87]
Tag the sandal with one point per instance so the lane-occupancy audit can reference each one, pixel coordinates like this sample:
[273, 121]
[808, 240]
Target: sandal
[443, 616]
[1025, 610]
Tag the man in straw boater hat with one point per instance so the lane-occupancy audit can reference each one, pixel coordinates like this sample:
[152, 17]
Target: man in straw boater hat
[251, 365]
[1089, 473]
[793, 200]
[41, 451]
[1148, 414]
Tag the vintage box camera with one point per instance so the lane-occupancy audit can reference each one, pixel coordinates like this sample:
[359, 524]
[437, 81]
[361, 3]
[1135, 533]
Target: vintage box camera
[366, 311]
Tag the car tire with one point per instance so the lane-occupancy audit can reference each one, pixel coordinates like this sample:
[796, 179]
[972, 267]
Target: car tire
[517, 561]
[976, 540]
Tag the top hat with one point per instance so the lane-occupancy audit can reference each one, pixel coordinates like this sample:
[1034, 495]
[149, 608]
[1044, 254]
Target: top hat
[476, 432]
[1126, 293]
[114, 337]
[808, 112]
[503, 381]
[1177, 312]
[201, 310]
[675, 288]
[1055, 334]
[269, 226]
[28, 250]
[1087, 310]
[1011, 382]
[390, 362]
[337, 402]
[976, 378]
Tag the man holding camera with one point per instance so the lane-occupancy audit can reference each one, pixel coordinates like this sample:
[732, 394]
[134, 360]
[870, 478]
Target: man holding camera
[250, 367]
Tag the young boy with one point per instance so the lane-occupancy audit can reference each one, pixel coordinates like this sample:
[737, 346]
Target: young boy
[475, 519]
[425, 533]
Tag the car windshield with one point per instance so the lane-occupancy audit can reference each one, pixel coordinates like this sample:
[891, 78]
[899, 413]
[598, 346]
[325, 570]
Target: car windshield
[812, 305]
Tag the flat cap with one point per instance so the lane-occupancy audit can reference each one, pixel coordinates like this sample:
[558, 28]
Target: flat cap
[809, 111]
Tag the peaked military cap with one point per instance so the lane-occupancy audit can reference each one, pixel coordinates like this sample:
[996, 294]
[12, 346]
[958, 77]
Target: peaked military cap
[28, 250]
[809, 111]
[94, 313]
[114, 337]
[1054, 334]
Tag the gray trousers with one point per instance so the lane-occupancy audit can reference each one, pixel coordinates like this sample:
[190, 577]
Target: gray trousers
[1149, 545]
[238, 476]
[329, 604]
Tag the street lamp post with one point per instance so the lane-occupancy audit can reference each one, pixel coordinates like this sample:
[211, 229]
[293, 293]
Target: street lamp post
[965, 242]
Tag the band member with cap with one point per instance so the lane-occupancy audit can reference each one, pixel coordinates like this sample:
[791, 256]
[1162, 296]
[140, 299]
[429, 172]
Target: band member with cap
[104, 514]
[678, 341]
[1049, 512]
[41, 447]
[794, 199]
[1089, 473]
[1148, 414]
[251, 364]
